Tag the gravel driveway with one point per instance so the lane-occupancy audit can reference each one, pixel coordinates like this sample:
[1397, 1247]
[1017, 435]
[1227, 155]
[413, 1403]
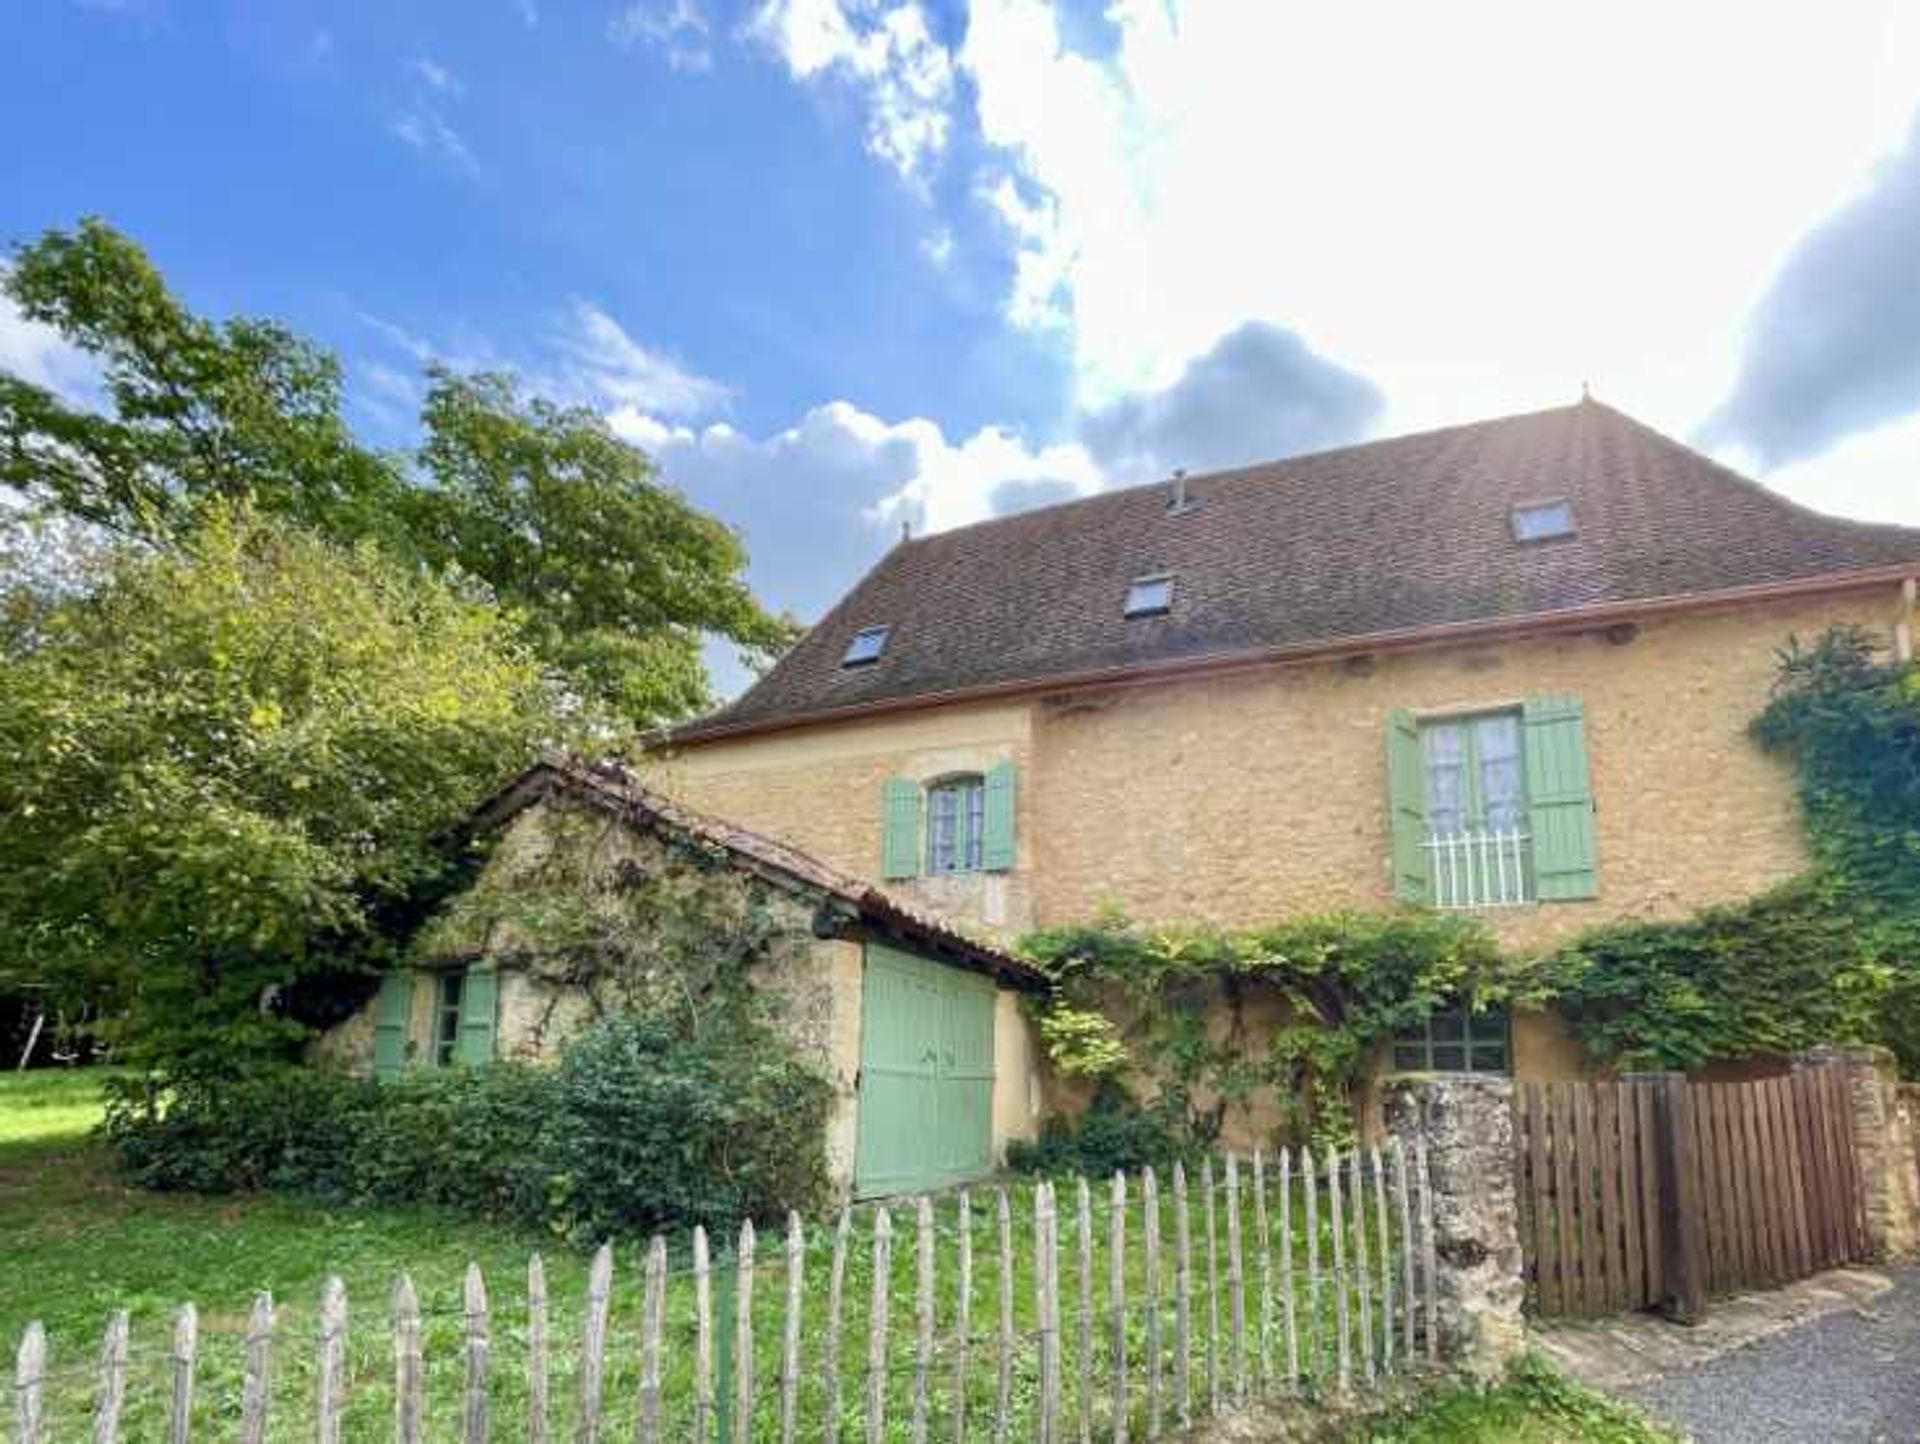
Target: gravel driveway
[1844, 1377]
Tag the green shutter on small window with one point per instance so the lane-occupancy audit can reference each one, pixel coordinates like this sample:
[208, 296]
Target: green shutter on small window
[900, 829]
[392, 1022]
[996, 848]
[479, 1005]
[1560, 799]
[1407, 806]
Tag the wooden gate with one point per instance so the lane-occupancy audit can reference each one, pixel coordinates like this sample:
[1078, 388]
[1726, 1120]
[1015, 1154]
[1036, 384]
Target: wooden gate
[1656, 1192]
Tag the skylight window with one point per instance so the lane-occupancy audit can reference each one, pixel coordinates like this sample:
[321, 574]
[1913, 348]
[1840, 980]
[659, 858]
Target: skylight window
[865, 648]
[1543, 521]
[1150, 597]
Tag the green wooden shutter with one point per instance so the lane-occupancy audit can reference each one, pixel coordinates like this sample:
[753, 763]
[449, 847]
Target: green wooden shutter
[1560, 799]
[392, 1022]
[1407, 806]
[996, 850]
[479, 1003]
[900, 831]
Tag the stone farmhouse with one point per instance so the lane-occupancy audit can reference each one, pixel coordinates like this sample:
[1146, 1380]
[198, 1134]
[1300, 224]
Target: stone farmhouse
[1505, 667]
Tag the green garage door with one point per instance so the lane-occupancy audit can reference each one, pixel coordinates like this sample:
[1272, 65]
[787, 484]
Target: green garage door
[926, 1076]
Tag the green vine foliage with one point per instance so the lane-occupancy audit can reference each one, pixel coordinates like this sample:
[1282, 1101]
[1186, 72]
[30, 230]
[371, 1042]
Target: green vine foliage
[1208, 1023]
[632, 924]
[1833, 956]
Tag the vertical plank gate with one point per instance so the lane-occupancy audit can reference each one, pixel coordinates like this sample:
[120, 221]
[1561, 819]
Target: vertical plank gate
[1618, 1211]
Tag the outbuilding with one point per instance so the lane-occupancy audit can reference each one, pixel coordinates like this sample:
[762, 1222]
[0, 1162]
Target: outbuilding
[597, 893]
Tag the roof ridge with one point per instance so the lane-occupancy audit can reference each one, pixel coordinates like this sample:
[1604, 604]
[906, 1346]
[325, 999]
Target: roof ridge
[1112, 493]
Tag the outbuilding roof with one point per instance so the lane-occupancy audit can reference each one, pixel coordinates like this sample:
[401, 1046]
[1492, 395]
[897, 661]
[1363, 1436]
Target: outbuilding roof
[616, 790]
[1419, 536]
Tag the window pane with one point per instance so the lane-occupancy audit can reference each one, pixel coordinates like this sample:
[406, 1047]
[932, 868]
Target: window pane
[1449, 1058]
[1489, 1025]
[866, 646]
[1538, 523]
[942, 825]
[1497, 739]
[976, 798]
[1410, 1057]
[1149, 595]
[1489, 1058]
[1444, 752]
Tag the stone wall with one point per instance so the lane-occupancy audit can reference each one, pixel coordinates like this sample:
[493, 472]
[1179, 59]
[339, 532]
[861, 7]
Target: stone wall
[1242, 798]
[1465, 1125]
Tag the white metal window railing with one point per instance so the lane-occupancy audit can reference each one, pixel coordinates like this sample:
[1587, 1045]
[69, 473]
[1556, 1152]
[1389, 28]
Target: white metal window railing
[1482, 867]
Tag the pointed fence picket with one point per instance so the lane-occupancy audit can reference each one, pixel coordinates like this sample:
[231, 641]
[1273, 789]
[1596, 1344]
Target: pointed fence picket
[1314, 1274]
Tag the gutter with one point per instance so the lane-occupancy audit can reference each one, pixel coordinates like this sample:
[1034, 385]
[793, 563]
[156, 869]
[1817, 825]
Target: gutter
[1403, 639]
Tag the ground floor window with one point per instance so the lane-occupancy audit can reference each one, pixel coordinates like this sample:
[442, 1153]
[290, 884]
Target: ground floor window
[446, 1017]
[1457, 1039]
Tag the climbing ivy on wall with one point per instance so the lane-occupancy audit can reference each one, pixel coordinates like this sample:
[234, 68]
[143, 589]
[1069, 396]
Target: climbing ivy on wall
[1210, 1022]
[630, 923]
[1833, 956]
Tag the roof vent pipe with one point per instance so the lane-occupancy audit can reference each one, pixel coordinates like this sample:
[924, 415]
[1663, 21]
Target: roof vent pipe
[1177, 499]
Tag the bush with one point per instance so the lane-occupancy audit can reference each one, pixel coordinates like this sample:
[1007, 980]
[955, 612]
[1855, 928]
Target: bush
[1117, 1133]
[642, 1126]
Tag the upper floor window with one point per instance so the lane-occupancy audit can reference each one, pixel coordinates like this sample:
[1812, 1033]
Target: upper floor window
[1543, 521]
[867, 645]
[1492, 809]
[962, 822]
[1150, 596]
[956, 824]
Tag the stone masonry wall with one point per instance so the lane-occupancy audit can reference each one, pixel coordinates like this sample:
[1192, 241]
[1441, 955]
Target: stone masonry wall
[1239, 799]
[1466, 1123]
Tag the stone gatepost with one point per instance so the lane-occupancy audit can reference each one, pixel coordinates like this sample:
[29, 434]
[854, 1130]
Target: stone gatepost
[1884, 1142]
[1466, 1121]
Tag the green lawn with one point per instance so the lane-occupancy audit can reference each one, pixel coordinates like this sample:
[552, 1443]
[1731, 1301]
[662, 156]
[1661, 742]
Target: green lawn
[76, 1244]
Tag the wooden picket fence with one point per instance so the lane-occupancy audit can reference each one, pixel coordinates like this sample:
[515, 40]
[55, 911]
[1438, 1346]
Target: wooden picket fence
[1113, 1311]
[1661, 1191]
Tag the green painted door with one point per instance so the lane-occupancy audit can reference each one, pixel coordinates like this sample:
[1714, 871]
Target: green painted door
[926, 1076]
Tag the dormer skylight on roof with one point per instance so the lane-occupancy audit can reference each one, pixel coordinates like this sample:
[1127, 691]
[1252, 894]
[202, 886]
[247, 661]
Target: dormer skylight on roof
[1150, 596]
[865, 648]
[1542, 521]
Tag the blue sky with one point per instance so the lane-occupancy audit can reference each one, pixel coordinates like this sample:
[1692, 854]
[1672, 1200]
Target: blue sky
[844, 264]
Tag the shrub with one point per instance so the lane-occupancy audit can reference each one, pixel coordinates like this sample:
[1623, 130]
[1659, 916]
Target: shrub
[654, 1126]
[642, 1126]
[1116, 1133]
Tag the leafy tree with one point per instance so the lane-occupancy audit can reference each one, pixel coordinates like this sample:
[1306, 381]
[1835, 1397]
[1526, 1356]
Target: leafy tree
[199, 412]
[614, 578]
[224, 767]
[618, 577]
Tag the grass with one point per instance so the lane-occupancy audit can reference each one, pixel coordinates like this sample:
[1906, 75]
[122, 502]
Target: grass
[76, 1244]
[1536, 1405]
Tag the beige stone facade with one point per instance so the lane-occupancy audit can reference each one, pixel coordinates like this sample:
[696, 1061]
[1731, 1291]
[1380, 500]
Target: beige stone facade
[1238, 798]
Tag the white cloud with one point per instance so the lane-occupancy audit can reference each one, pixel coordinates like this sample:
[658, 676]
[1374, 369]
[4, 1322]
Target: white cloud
[678, 29]
[598, 359]
[888, 53]
[1871, 476]
[427, 130]
[36, 354]
[1477, 213]
[437, 76]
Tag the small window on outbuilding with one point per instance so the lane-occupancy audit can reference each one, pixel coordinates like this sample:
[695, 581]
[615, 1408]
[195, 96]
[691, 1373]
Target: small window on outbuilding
[446, 1017]
[1542, 521]
[1456, 1039]
[1150, 596]
[867, 645]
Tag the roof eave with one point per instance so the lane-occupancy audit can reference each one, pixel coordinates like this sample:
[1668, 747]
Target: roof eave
[1441, 634]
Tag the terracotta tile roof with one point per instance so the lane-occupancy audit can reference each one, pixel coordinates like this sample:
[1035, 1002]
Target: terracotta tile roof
[1385, 538]
[618, 791]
